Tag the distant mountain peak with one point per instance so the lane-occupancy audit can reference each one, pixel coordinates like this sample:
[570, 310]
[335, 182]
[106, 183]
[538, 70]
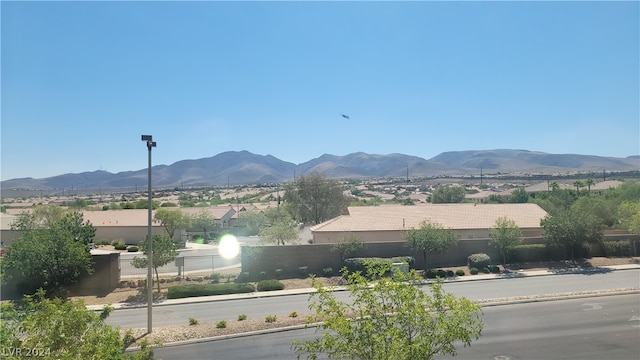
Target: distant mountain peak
[244, 167]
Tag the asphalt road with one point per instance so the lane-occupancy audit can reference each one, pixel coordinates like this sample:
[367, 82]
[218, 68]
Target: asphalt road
[171, 315]
[606, 327]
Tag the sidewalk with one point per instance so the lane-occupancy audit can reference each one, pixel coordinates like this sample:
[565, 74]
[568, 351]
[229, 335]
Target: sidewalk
[510, 275]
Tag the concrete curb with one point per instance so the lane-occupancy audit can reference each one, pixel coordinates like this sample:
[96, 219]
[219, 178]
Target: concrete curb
[215, 298]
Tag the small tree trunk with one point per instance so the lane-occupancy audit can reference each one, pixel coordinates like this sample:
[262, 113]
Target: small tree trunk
[424, 258]
[157, 280]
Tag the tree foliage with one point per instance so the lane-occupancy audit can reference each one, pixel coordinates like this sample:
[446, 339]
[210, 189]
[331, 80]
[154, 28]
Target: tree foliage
[519, 196]
[171, 220]
[505, 236]
[164, 251]
[313, 199]
[40, 217]
[203, 220]
[347, 245]
[448, 194]
[572, 229]
[630, 216]
[52, 258]
[279, 228]
[57, 329]
[392, 318]
[431, 238]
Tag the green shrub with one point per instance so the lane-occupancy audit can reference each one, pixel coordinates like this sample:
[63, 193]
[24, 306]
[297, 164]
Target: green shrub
[450, 273]
[132, 249]
[473, 271]
[358, 264]
[118, 241]
[168, 204]
[120, 246]
[486, 270]
[478, 260]
[270, 285]
[328, 272]
[183, 291]
[215, 278]
[494, 269]
[270, 319]
[193, 321]
[554, 252]
[431, 274]
[105, 207]
[221, 324]
[617, 248]
[242, 317]
[530, 253]
[293, 314]
[441, 273]
[459, 272]
[101, 242]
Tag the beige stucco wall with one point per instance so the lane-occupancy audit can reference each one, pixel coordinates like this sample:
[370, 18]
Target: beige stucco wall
[130, 234]
[327, 237]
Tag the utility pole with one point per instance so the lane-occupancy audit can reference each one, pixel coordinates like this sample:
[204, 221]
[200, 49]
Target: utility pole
[150, 144]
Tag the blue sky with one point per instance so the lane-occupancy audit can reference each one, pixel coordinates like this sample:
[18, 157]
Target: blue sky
[81, 81]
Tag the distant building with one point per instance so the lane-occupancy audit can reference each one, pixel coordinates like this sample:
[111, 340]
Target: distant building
[391, 222]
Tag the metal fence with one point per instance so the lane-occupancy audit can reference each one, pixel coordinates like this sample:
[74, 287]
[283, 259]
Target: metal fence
[182, 265]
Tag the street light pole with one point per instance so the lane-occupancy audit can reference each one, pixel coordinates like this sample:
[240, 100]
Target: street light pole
[150, 144]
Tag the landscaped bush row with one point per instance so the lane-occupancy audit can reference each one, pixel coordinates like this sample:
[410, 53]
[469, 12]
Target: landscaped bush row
[270, 285]
[358, 264]
[618, 248]
[442, 273]
[183, 291]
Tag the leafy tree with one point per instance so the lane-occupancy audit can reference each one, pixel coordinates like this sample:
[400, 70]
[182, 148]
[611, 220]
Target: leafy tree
[347, 245]
[205, 221]
[505, 236]
[630, 216]
[448, 194]
[253, 220]
[61, 330]
[171, 220]
[279, 233]
[313, 199]
[82, 231]
[431, 238]
[164, 251]
[519, 196]
[605, 210]
[41, 217]
[572, 229]
[51, 258]
[555, 201]
[494, 199]
[390, 319]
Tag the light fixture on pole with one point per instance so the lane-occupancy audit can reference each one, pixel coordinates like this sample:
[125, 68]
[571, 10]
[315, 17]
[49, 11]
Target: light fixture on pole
[150, 144]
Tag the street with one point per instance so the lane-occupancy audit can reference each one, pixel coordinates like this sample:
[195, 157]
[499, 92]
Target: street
[172, 315]
[606, 327]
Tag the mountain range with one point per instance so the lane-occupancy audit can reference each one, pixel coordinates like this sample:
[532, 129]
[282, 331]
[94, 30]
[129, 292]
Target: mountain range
[244, 167]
